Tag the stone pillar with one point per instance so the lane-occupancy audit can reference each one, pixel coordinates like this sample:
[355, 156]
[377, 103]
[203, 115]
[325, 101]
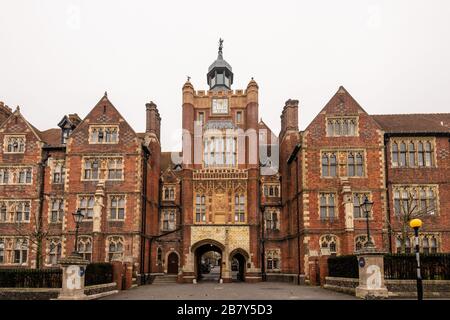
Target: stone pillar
[313, 270]
[117, 273]
[74, 268]
[371, 276]
[323, 269]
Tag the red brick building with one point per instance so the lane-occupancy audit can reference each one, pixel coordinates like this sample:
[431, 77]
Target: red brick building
[98, 165]
[267, 206]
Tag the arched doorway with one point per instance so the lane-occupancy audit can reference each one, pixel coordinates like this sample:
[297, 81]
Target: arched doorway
[172, 263]
[238, 259]
[208, 260]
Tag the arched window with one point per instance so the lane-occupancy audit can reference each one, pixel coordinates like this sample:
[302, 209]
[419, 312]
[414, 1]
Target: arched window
[85, 247]
[2, 250]
[159, 257]
[333, 165]
[425, 245]
[351, 164]
[402, 162]
[361, 241]
[3, 212]
[325, 165]
[330, 128]
[420, 154]
[412, 154]
[428, 154]
[328, 244]
[54, 251]
[200, 208]
[21, 251]
[273, 260]
[395, 154]
[115, 248]
[239, 208]
[327, 206]
[359, 165]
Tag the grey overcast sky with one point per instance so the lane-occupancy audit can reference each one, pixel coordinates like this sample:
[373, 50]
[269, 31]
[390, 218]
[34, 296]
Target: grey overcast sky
[59, 56]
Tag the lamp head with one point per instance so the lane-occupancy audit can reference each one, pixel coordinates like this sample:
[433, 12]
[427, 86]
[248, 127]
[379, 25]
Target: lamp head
[367, 205]
[78, 216]
[415, 223]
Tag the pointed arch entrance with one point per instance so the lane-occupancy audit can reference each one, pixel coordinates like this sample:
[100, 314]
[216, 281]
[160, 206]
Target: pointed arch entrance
[238, 262]
[208, 256]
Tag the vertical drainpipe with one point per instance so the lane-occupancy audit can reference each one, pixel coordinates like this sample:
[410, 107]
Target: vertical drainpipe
[388, 203]
[298, 220]
[263, 249]
[39, 219]
[144, 215]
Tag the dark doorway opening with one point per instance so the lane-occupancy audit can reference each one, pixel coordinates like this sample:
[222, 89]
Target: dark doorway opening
[172, 263]
[208, 263]
[238, 264]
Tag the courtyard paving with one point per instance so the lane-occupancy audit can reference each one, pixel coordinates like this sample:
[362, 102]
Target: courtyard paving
[229, 291]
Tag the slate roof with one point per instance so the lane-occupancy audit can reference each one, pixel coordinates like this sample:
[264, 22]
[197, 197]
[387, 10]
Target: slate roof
[414, 123]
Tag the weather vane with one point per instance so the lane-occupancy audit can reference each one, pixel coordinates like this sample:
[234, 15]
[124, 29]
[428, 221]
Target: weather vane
[220, 45]
[188, 78]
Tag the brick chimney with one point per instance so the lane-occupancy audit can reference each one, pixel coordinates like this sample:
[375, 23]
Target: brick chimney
[289, 117]
[153, 120]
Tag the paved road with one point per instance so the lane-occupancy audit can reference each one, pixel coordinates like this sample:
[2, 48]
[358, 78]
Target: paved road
[229, 291]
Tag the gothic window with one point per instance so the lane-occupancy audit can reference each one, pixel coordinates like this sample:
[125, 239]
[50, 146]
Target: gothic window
[85, 247]
[239, 208]
[104, 134]
[58, 172]
[201, 117]
[355, 164]
[358, 199]
[115, 247]
[3, 212]
[329, 165]
[412, 153]
[239, 117]
[2, 250]
[57, 210]
[421, 154]
[418, 200]
[117, 207]
[428, 154]
[22, 211]
[54, 251]
[168, 220]
[91, 169]
[115, 169]
[159, 257]
[220, 151]
[200, 208]
[360, 242]
[395, 154]
[14, 144]
[272, 219]
[328, 243]
[327, 206]
[20, 251]
[168, 193]
[86, 206]
[273, 260]
[345, 126]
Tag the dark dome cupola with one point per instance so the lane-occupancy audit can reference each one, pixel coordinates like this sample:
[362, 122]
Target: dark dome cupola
[220, 75]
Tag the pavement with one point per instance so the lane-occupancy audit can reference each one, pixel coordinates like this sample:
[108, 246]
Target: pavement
[229, 291]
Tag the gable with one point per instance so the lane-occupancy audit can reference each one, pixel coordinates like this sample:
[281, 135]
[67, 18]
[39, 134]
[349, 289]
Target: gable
[104, 114]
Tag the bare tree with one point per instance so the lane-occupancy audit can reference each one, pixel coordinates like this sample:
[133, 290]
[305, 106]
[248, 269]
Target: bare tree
[406, 209]
[35, 238]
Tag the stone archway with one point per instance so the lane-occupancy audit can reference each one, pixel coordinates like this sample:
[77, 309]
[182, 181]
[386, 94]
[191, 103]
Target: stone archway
[238, 261]
[199, 249]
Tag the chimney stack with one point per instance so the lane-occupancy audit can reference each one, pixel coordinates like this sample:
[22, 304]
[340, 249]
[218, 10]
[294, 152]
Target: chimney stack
[289, 117]
[153, 119]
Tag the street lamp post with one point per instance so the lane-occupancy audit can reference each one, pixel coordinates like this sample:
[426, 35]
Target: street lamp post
[366, 206]
[416, 224]
[77, 217]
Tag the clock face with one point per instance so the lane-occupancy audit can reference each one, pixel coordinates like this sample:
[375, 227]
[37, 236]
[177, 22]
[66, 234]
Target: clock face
[220, 106]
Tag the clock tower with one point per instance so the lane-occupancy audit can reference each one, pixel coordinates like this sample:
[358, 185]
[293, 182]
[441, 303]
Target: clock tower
[220, 176]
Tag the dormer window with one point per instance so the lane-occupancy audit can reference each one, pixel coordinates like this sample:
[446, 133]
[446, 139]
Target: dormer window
[14, 144]
[65, 135]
